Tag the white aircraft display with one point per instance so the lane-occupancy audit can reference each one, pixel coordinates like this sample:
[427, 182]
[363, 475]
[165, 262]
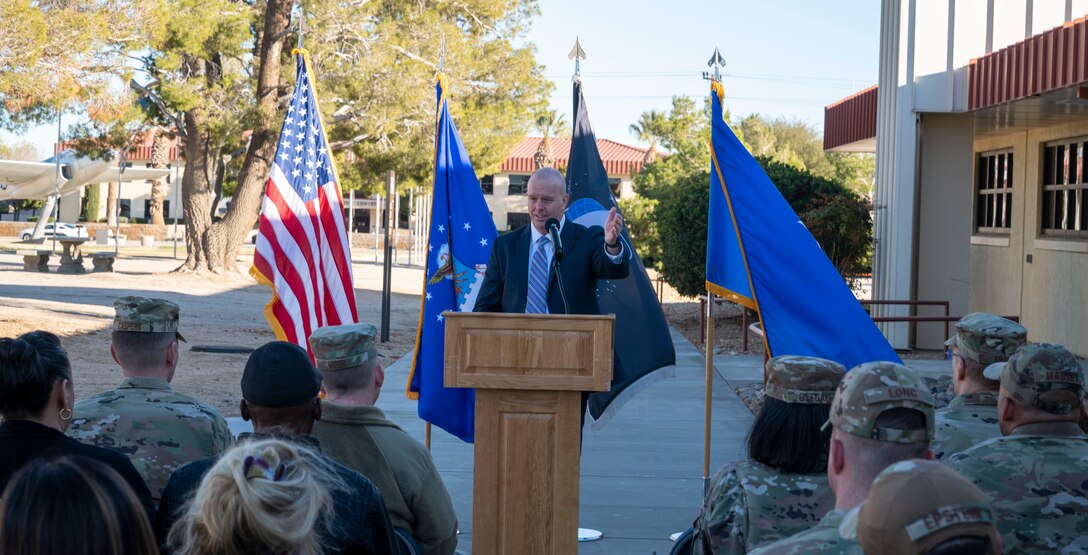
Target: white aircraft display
[37, 180]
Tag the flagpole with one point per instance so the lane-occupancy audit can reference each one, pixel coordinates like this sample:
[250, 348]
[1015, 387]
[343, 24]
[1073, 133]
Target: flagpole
[716, 62]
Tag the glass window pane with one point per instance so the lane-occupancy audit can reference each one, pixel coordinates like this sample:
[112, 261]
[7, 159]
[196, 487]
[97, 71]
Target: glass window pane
[1083, 210]
[1048, 165]
[1009, 170]
[1008, 210]
[1070, 210]
[1048, 210]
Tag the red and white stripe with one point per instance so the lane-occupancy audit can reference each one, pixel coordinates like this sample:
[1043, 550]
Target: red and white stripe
[303, 253]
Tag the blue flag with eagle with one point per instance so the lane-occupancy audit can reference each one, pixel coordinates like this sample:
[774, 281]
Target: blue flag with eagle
[458, 246]
[760, 255]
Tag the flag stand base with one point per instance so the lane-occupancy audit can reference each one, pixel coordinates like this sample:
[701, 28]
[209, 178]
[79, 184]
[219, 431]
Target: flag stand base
[589, 535]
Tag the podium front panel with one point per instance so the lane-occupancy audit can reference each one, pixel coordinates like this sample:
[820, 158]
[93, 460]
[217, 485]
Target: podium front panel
[539, 352]
[525, 497]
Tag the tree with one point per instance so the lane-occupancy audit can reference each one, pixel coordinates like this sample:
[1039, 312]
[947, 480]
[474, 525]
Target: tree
[645, 129]
[218, 66]
[835, 216]
[547, 122]
[66, 54]
[376, 63]
[92, 198]
[160, 158]
[681, 219]
[684, 132]
[221, 67]
[638, 212]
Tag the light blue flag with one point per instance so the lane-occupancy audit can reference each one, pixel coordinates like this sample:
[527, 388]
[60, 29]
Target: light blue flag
[458, 247]
[760, 255]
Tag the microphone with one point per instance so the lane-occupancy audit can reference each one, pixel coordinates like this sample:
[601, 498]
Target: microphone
[552, 225]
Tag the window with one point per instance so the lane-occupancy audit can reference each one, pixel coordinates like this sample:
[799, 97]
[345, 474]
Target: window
[515, 220]
[1065, 199]
[488, 184]
[518, 184]
[993, 192]
[614, 184]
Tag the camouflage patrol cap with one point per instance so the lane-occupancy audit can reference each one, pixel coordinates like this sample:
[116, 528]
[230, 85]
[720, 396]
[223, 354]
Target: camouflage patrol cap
[1042, 375]
[339, 347]
[874, 387]
[800, 379]
[141, 314]
[985, 338]
[916, 505]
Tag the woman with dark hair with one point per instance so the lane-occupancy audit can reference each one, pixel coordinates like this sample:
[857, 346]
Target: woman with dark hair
[72, 505]
[781, 489]
[36, 398]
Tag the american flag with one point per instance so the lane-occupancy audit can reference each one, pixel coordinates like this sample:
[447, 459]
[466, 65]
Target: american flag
[302, 243]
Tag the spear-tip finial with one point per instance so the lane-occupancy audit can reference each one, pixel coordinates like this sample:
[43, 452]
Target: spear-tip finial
[716, 62]
[577, 54]
[442, 53]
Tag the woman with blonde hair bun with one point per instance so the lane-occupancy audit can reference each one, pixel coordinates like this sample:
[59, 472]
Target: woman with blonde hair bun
[265, 496]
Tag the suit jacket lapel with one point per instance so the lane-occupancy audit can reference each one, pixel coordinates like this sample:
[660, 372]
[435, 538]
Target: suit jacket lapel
[520, 260]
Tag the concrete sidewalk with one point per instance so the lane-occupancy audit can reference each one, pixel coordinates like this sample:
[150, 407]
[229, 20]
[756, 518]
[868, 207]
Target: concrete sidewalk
[642, 473]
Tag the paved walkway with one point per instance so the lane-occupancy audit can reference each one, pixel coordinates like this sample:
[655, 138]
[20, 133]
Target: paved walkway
[642, 473]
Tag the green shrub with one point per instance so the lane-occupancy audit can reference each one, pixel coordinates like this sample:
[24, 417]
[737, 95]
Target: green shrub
[92, 199]
[835, 216]
[681, 219]
[638, 218]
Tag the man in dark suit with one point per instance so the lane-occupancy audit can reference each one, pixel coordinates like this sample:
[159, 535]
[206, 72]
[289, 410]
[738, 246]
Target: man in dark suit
[520, 277]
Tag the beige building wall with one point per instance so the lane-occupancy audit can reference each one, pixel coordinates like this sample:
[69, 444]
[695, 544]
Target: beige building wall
[1043, 279]
[944, 221]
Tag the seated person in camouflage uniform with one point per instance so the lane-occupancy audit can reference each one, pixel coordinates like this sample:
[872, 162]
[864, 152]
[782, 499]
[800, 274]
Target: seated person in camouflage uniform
[1036, 476]
[158, 428]
[357, 434]
[782, 488]
[280, 388]
[920, 507]
[882, 414]
[971, 417]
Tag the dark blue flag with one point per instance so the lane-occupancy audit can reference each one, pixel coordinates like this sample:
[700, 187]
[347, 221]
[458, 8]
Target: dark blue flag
[643, 342]
[458, 247]
[760, 255]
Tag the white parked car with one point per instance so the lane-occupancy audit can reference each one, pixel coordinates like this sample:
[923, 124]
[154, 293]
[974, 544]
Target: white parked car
[62, 230]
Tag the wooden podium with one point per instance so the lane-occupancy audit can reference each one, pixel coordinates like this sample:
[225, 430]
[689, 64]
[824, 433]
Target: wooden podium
[529, 372]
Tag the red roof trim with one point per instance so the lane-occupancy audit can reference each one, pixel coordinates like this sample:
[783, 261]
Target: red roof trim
[618, 158]
[851, 119]
[1051, 60]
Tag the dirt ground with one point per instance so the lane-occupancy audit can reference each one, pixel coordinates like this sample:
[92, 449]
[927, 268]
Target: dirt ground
[215, 311]
[218, 311]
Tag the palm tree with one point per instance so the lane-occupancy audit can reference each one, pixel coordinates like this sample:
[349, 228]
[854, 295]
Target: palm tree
[646, 130]
[547, 122]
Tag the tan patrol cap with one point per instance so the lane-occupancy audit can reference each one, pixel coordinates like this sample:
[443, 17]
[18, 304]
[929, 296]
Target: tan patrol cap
[147, 315]
[916, 505]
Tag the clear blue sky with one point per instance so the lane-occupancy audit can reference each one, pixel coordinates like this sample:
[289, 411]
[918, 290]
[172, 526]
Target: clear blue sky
[784, 57]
